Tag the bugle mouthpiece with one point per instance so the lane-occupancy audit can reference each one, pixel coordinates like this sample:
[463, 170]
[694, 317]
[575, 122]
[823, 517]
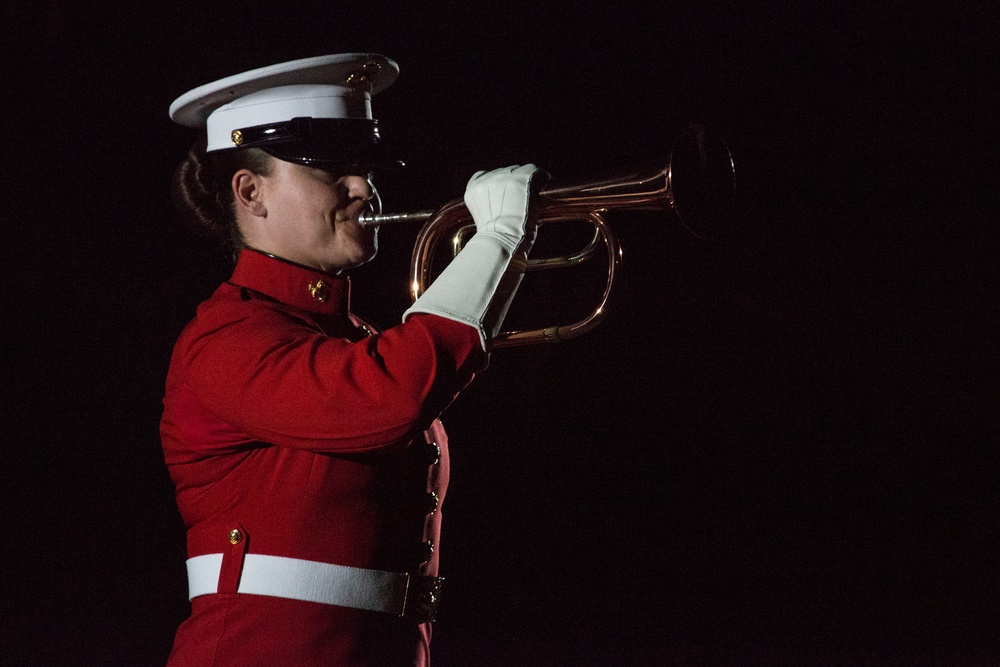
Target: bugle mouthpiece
[371, 219]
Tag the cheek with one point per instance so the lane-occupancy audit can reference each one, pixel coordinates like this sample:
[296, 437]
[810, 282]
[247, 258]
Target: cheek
[318, 211]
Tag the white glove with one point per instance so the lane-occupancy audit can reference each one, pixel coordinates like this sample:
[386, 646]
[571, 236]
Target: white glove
[478, 286]
[498, 201]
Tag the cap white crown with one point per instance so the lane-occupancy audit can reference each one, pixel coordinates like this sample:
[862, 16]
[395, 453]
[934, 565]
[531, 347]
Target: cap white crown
[334, 86]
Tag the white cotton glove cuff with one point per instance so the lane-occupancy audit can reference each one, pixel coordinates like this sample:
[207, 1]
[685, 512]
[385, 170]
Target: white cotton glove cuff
[477, 286]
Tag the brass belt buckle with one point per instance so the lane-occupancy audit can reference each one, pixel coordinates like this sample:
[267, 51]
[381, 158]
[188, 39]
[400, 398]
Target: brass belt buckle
[423, 595]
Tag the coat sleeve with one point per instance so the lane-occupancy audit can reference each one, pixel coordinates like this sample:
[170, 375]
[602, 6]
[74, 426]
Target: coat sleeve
[274, 377]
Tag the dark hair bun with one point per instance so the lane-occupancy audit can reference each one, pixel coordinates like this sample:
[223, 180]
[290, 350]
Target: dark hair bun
[199, 197]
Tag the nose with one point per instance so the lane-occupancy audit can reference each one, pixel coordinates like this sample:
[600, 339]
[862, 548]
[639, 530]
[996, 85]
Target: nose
[359, 187]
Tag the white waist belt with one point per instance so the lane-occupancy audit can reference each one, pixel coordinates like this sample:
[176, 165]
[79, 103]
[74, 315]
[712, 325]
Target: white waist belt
[312, 581]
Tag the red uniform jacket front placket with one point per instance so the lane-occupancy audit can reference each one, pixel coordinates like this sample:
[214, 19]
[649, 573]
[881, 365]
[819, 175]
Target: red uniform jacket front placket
[289, 422]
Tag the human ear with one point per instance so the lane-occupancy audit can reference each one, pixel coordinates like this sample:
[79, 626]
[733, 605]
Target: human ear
[247, 193]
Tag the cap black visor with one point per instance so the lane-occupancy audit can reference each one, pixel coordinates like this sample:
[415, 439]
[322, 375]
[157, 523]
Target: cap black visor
[326, 143]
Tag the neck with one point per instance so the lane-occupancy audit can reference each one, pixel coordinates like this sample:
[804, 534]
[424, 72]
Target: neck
[293, 263]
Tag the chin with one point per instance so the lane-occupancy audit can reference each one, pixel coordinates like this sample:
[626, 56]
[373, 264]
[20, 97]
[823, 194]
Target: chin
[355, 253]
[369, 258]
[362, 257]
[370, 249]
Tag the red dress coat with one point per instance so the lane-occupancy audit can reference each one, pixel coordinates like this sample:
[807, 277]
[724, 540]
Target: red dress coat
[287, 420]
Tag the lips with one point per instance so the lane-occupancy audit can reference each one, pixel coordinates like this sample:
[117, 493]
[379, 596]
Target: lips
[352, 211]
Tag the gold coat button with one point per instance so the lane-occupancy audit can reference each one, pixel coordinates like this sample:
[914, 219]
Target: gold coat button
[235, 536]
[426, 551]
[433, 453]
[432, 502]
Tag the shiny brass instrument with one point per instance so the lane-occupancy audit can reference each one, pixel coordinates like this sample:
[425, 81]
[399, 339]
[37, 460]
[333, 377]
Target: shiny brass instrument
[697, 184]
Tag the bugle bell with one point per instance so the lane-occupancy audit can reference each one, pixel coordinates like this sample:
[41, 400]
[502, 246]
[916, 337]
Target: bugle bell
[697, 184]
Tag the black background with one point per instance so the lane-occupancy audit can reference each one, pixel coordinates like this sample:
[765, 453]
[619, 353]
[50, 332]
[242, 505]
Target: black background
[779, 448]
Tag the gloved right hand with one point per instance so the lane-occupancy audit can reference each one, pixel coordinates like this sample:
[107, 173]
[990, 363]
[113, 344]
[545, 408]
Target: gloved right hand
[478, 286]
[498, 201]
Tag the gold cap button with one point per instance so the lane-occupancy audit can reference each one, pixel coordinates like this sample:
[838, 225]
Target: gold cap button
[235, 536]
[237, 137]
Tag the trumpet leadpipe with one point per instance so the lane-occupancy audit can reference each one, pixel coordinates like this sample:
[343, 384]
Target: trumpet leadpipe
[370, 219]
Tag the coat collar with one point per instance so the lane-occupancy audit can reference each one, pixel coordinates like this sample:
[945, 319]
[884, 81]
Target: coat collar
[293, 284]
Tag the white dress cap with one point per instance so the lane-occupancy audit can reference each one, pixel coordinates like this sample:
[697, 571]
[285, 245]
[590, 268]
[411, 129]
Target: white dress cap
[334, 87]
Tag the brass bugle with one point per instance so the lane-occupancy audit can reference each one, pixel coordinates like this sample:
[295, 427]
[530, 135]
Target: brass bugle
[697, 185]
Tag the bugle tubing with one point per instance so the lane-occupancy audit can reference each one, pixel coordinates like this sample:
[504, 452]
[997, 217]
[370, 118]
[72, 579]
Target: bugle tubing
[697, 185]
